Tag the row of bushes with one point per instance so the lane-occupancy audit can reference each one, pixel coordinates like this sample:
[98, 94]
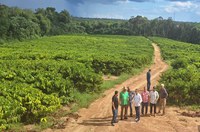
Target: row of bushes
[183, 79]
[38, 76]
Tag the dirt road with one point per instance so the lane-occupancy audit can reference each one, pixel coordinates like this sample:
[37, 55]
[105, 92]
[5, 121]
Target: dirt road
[97, 118]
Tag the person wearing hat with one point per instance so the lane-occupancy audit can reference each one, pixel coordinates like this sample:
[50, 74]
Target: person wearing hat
[124, 98]
[114, 108]
[153, 100]
[163, 98]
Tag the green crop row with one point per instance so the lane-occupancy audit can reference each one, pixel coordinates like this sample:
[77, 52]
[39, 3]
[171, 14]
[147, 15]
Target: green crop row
[37, 76]
[183, 79]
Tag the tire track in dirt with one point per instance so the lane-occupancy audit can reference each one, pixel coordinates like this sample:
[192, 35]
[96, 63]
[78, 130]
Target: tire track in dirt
[97, 118]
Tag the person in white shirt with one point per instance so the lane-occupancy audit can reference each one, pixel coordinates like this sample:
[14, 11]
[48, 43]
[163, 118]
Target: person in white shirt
[137, 101]
[153, 100]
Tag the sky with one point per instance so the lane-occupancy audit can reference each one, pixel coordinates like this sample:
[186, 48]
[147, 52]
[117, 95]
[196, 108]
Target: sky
[178, 10]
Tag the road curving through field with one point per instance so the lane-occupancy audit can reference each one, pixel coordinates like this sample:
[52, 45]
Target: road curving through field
[97, 117]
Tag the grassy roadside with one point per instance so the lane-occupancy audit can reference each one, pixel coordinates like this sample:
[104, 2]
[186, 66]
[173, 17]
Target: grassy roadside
[85, 99]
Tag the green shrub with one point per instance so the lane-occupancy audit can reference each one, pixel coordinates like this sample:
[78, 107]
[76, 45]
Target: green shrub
[37, 76]
[180, 63]
[183, 80]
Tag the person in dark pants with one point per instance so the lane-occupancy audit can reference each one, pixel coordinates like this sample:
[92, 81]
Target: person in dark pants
[145, 101]
[114, 108]
[149, 79]
[137, 101]
[153, 100]
[131, 95]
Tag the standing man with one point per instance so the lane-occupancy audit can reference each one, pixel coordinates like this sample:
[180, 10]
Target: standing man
[145, 101]
[137, 101]
[131, 95]
[149, 79]
[114, 107]
[153, 100]
[124, 97]
[163, 98]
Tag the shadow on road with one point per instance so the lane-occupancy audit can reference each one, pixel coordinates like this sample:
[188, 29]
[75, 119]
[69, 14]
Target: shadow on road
[104, 121]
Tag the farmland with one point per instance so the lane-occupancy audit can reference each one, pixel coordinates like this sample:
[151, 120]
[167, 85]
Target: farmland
[38, 76]
[183, 79]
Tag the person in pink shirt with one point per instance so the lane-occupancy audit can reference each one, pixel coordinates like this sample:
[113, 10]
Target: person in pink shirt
[145, 101]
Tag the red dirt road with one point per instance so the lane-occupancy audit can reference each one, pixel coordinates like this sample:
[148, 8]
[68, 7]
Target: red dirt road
[97, 118]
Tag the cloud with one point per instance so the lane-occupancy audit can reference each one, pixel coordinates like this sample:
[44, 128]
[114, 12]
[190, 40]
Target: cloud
[179, 6]
[183, 0]
[187, 4]
[104, 1]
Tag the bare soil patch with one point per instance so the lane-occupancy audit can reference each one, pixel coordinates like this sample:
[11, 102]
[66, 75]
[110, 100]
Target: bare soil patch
[109, 77]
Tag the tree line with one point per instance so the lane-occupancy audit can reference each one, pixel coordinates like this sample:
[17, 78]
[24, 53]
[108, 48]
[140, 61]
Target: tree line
[23, 24]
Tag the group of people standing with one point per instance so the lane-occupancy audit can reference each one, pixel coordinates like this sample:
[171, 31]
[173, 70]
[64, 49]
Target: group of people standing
[127, 98]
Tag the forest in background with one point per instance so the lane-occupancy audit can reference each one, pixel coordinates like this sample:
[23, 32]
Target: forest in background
[21, 24]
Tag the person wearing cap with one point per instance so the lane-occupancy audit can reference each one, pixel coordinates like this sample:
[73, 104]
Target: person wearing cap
[153, 100]
[163, 98]
[114, 108]
[124, 97]
[137, 101]
[149, 79]
[131, 95]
